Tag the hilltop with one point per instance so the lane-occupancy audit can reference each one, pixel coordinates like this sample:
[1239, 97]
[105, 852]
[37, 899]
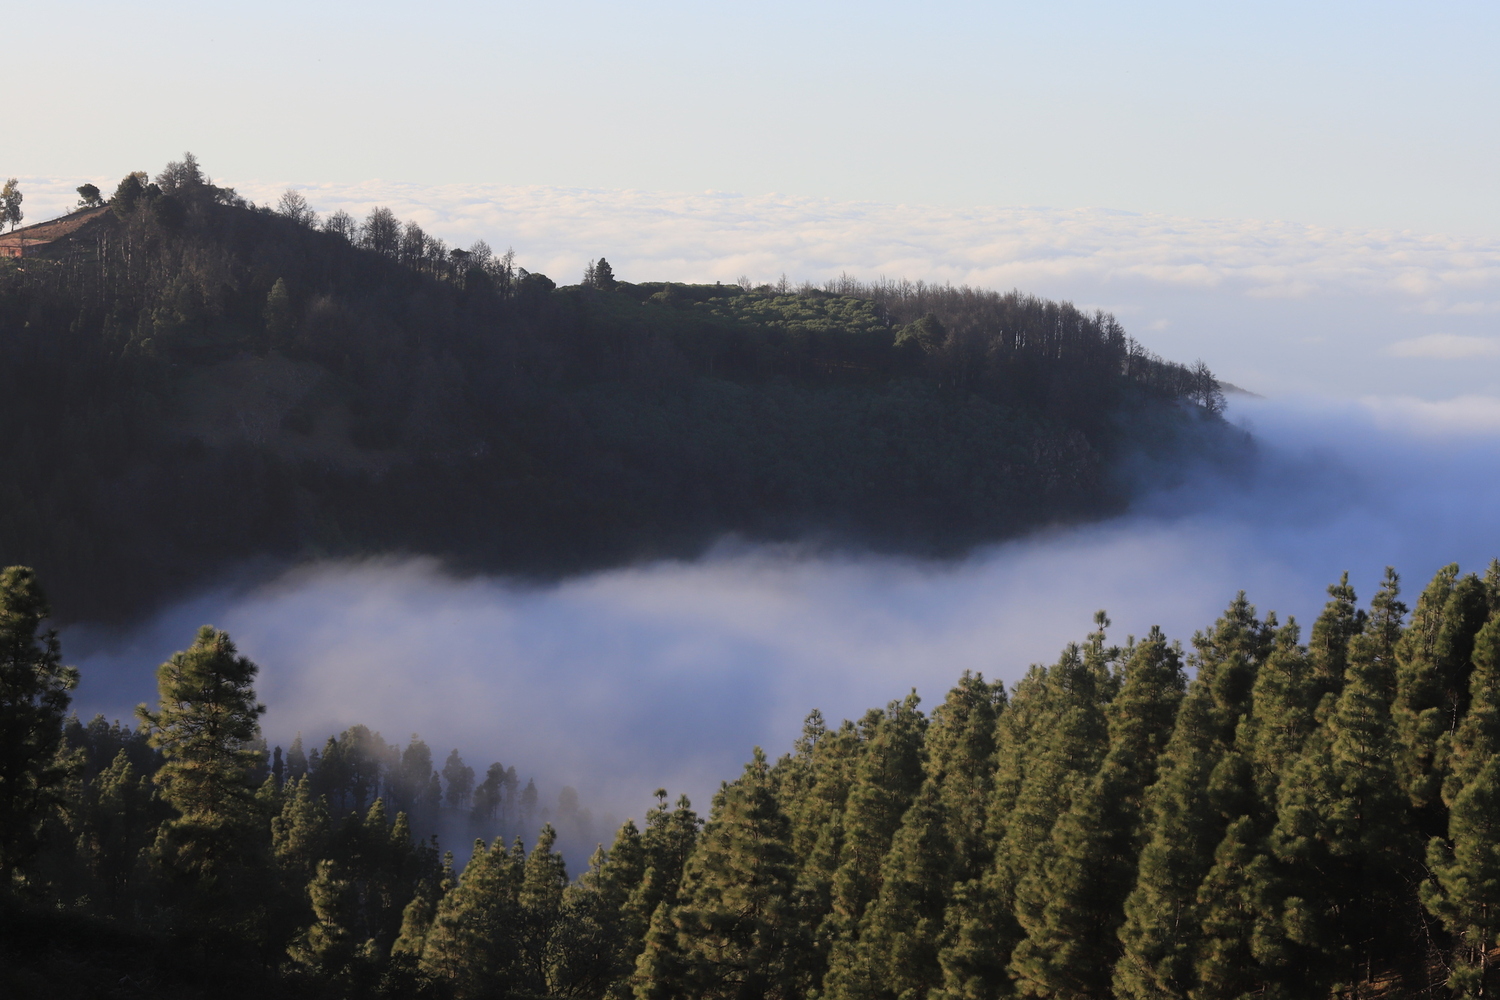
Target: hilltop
[191, 381]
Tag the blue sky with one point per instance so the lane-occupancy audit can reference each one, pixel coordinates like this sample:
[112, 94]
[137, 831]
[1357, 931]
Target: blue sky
[1349, 114]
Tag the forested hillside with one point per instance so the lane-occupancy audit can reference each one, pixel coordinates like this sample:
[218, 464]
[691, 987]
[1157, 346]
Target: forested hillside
[1270, 812]
[189, 382]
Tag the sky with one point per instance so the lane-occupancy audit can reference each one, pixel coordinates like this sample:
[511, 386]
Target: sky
[1367, 114]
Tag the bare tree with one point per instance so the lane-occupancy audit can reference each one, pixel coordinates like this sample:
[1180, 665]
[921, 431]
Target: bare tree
[382, 232]
[341, 223]
[294, 206]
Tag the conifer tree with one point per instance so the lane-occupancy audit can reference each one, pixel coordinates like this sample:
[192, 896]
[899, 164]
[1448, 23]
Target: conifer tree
[1374, 649]
[1063, 757]
[1071, 913]
[813, 786]
[1465, 889]
[416, 921]
[980, 929]
[330, 946]
[472, 943]
[206, 717]
[544, 877]
[887, 777]
[1432, 685]
[296, 759]
[670, 838]
[1341, 837]
[960, 746]
[1161, 931]
[1236, 900]
[118, 822]
[459, 778]
[896, 952]
[409, 778]
[34, 697]
[592, 946]
[735, 927]
[300, 835]
[1328, 648]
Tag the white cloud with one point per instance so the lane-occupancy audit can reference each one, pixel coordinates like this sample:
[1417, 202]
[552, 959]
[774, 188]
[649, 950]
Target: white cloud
[1445, 347]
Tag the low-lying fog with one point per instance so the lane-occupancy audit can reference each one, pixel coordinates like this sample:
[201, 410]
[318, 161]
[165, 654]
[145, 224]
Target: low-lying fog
[668, 674]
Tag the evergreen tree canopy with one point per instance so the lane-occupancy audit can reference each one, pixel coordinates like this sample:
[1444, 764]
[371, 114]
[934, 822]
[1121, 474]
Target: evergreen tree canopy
[34, 688]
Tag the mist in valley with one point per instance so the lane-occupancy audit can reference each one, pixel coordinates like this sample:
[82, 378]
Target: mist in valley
[666, 675]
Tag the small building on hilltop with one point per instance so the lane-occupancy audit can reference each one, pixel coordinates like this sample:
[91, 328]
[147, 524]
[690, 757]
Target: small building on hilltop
[29, 239]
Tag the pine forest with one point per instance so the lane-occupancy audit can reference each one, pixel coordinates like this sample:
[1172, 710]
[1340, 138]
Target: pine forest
[1264, 812]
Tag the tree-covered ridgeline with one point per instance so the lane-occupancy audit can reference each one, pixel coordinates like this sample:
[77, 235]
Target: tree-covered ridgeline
[1266, 813]
[190, 382]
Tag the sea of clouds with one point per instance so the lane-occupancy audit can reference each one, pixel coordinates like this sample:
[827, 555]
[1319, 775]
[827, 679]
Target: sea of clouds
[668, 674]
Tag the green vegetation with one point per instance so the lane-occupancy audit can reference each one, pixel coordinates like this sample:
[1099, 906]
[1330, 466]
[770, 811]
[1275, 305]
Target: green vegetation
[189, 383]
[1255, 817]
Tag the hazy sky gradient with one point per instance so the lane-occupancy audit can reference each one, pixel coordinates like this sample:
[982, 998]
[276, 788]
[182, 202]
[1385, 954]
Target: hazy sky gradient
[1362, 114]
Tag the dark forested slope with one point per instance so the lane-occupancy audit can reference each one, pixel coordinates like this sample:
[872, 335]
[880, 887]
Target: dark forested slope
[188, 382]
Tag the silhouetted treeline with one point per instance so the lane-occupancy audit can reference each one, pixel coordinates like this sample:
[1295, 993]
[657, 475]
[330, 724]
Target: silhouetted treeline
[188, 382]
[1266, 814]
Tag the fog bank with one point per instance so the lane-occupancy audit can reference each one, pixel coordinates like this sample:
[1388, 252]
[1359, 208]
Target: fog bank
[668, 674]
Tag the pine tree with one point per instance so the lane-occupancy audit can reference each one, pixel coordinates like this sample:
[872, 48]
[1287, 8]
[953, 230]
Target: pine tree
[1064, 755]
[34, 697]
[670, 839]
[1465, 889]
[460, 780]
[592, 947]
[330, 946]
[1432, 685]
[1072, 911]
[896, 952]
[296, 759]
[979, 927]
[1375, 648]
[813, 787]
[887, 777]
[300, 835]
[472, 943]
[735, 927]
[1341, 837]
[1328, 648]
[416, 921]
[409, 778]
[1241, 942]
[118, 823]
[960, 745]
[207, 716]
[1161, 931]
[544, 877]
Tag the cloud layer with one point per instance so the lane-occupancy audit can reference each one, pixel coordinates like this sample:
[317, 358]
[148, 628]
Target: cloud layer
[668, 674]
